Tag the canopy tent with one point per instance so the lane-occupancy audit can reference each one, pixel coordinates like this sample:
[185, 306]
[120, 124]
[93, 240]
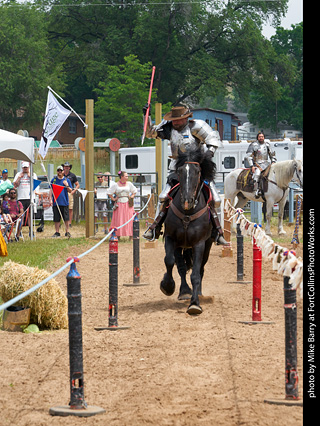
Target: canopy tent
[16, 146]
[19, 148]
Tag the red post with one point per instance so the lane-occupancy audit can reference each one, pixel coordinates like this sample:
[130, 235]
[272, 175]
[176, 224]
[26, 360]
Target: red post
[256, 279]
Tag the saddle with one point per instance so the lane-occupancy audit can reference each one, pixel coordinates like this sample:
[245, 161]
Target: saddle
[245, 181]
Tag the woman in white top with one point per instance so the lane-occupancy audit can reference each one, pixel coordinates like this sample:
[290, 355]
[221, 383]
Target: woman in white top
[122, 192]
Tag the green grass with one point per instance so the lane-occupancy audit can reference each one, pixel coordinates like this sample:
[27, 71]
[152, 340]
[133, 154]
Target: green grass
[40, 252]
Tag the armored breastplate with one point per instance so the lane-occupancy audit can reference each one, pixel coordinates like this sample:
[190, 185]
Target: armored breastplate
[261, 155]
[182, 139]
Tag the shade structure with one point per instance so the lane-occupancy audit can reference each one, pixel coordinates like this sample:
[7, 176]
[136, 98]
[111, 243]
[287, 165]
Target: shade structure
[16, 147]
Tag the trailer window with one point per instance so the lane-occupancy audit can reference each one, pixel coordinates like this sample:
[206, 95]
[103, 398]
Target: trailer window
[229, 162]
[131, 161]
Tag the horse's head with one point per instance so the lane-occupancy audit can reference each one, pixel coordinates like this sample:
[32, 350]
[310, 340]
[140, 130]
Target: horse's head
[189, 178]
[192, 167]
[298, 173]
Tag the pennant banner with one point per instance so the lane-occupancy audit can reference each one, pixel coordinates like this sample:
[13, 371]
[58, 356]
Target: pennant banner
[83, 192]
[57, 189]
[55, 116]
[36, 183]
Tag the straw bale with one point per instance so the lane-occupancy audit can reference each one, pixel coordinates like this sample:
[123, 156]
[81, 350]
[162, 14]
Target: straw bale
[49, 305]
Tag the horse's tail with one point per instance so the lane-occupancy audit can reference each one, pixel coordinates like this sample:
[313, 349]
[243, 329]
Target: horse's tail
[188, 258]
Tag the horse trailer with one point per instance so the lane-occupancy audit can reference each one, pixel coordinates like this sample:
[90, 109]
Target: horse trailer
[230, 156]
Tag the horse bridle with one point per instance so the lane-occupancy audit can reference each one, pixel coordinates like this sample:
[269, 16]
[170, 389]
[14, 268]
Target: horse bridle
[195, 196]
[186, 219]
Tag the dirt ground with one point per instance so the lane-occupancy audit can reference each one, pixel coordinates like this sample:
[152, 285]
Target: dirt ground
[168, 368]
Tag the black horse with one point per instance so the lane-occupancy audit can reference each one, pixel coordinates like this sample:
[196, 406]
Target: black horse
[188, 227]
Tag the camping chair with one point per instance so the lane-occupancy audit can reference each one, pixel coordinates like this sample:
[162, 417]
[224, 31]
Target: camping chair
[18, 230]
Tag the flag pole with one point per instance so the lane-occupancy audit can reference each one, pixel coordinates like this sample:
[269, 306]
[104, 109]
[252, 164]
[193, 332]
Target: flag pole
[55, 93]
[149, 100]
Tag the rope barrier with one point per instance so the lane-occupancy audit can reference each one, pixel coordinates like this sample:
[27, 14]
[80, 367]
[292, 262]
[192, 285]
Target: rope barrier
[41, 283]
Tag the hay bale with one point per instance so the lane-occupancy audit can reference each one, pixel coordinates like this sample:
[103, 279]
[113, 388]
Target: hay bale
[49, 305]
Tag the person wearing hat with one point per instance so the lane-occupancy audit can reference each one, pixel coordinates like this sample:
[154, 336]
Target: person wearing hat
[21, 182]
[5, 177]
[74, 185]
[60, 205]
[182, 132]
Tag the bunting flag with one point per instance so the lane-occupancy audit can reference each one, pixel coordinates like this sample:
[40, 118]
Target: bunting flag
[57, 189]
[83, 192]
[55, 116]
[36, 183]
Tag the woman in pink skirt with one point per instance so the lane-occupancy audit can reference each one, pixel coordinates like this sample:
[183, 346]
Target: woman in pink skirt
[121, 193]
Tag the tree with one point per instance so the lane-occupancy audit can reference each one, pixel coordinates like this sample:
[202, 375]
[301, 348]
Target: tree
[280, 98]
[26, 68]
[120, 100]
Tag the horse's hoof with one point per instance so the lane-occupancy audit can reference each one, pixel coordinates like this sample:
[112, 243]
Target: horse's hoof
[185, 296]
[167, 288]
[194, 310]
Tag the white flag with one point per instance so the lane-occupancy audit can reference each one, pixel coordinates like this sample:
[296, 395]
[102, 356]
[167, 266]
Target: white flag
[55, 116]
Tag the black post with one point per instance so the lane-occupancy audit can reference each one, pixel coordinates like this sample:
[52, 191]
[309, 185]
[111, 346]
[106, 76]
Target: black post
[290, 309]
[75, 337]
[113, 285]
[77, 405]
[136, 255]
[239, 254]
[113, 280]
[136, 250]
[239, 259]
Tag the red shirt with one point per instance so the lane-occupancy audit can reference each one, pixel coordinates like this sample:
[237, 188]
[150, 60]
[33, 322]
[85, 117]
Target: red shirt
[14, 207]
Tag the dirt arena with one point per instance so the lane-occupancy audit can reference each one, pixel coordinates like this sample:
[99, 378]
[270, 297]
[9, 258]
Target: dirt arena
[168, 368]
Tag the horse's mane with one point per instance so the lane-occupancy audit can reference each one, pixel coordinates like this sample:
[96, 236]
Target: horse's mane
[208, 167]
[284, 171]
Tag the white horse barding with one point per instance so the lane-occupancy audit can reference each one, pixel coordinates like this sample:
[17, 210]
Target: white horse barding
[281, 174]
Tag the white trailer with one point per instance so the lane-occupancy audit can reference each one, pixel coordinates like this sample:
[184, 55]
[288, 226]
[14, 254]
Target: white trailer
[228, 157]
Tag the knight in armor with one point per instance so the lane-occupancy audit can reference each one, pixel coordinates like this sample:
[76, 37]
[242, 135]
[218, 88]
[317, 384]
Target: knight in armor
[183, 133]
[257, 156]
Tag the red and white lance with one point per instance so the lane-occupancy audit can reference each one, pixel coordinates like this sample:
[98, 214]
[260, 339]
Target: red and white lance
[149, 100]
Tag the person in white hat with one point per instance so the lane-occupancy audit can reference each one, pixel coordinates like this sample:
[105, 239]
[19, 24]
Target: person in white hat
[21, 182]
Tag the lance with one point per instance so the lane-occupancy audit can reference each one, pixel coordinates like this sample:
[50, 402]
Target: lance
[149, 100]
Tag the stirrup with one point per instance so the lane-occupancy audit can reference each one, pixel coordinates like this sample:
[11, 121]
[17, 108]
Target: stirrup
[221, 241]
[149, 234]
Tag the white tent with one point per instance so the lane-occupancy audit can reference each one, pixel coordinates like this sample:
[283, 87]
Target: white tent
[16, 146]
[19, 148]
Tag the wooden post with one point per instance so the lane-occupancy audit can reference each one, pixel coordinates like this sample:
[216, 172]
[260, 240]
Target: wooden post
[227, 250]
[89, 161]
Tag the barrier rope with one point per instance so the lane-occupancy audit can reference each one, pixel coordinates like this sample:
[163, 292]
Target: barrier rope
[284, 261]
[41, 283]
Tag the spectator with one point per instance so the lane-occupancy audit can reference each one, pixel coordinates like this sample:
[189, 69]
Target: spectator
[74, 185]
[21, 182]
[7, 221]
[122, 192]
[5, 183]
[100, 206]
[5, 199]
[14, 208]
[60, 206]
[107, 178]
[5, 177]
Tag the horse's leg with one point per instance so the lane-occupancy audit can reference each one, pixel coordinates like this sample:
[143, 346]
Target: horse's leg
[198, 251]
[185, 291]
[269, 206]
[167, 285]
[282, 204]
